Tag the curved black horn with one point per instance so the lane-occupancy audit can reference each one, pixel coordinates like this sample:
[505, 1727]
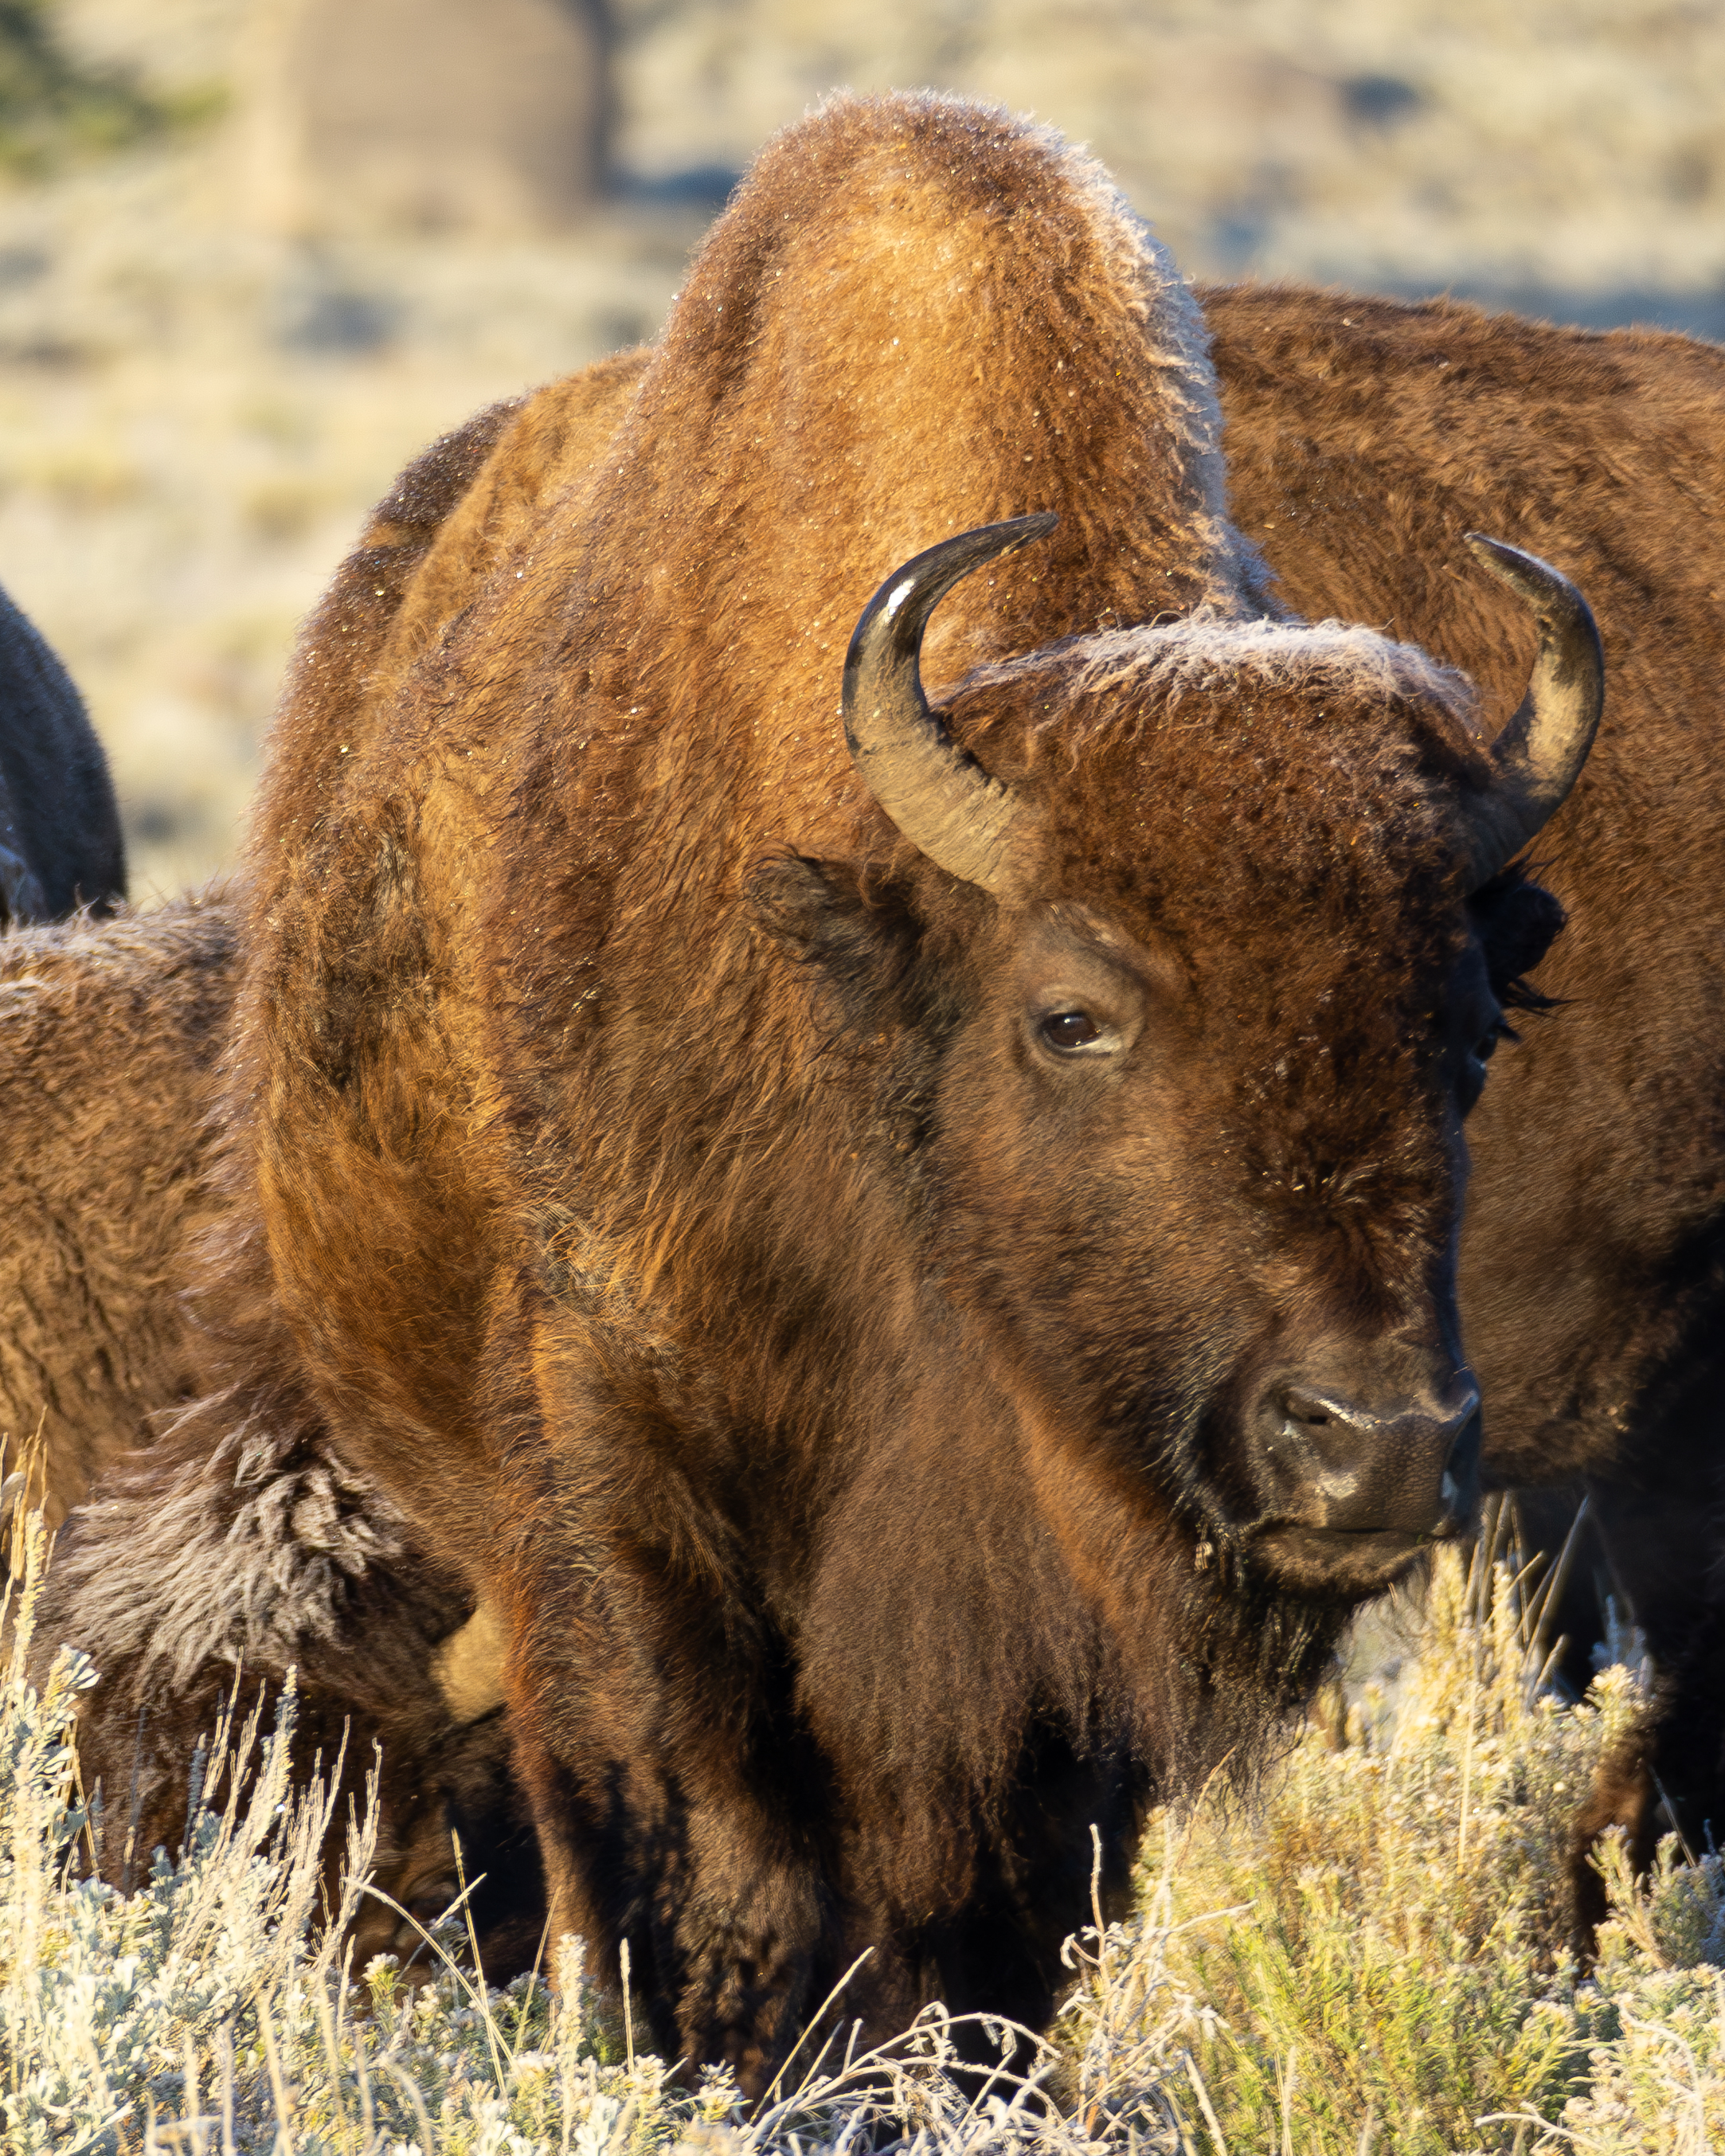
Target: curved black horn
[937, 794]
[1539, 754]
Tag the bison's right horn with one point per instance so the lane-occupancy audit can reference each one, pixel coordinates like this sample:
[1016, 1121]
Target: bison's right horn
[1539, 754]
[937, 794]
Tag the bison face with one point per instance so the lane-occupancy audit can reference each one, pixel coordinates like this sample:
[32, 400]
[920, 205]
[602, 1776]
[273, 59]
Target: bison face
[1188, 1176]
[1205, 1205]
[1192, 1006]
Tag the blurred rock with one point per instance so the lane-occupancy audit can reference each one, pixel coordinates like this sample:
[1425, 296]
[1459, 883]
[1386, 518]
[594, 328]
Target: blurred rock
[427, 116]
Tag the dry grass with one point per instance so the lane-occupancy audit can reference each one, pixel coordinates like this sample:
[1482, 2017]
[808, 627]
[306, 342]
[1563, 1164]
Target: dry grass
[1371, 1957]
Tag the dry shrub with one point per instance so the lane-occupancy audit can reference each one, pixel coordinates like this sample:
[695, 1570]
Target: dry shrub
[213, 2008]
[1373, 1955]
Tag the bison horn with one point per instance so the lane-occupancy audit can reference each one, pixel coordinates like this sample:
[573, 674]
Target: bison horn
[1538, 756]
[936, 793]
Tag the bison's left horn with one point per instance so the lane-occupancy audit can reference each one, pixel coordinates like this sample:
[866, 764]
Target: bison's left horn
[936, 793]
[1539, 754]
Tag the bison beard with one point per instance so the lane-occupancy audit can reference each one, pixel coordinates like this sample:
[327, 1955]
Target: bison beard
[922, 1359]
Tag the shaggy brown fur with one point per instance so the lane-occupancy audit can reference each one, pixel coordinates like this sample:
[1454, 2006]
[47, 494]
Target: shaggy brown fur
[60, 845]
[109, 1032]
[1364, 436]
[669, 1209]
[200, 1571]
[237, 1541]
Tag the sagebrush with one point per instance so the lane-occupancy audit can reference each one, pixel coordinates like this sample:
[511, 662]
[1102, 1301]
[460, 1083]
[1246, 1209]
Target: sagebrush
[1371, 1952]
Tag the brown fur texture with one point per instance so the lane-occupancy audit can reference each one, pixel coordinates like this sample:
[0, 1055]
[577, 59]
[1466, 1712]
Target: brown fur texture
[108, 1035]
[1364, 437]
[669, 1208]
[210, 1547]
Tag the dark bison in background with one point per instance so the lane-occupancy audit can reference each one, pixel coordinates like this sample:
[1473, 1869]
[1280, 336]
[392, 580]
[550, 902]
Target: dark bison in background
[917, 1282]
[60, 845]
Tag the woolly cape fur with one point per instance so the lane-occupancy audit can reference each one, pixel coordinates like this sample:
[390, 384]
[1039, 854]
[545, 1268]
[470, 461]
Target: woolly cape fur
[216, 1540]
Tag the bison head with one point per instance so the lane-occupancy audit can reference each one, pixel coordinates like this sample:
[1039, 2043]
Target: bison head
[1196, 947]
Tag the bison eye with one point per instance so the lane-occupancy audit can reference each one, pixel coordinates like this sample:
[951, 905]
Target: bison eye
[1067, 1030]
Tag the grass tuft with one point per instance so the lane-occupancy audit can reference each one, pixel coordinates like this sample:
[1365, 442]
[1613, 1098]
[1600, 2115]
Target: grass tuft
[1374, 1955]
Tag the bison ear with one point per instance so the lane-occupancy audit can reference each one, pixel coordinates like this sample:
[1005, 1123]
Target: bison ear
[1517, 920]
[862, 937]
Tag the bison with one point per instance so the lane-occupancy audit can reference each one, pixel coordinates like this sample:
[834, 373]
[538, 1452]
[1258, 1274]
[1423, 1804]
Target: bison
[917, 1279]
[60, 845]
[1364, 437]
[206, 1554]
[109, 1032]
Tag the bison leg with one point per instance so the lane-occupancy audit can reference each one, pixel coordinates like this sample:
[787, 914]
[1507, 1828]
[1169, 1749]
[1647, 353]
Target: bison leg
[680, 1803]
[677, 1814]
[1660, 1527]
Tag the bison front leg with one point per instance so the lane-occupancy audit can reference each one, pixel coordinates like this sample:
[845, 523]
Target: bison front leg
[666, 1803]
[1663, 1534]
[723, 1928]
[678, 1803]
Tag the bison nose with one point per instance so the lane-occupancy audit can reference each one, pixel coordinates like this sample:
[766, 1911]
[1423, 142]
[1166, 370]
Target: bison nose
[1406, 1466]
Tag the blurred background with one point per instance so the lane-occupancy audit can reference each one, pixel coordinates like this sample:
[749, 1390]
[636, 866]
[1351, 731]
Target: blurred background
[254, 253]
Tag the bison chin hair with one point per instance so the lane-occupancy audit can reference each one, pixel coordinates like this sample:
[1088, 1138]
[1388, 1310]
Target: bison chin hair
[1261, 1653]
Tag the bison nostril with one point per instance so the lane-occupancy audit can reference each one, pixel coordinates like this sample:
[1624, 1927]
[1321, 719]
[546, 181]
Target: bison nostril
[1312, 1410]
[1392, 1460]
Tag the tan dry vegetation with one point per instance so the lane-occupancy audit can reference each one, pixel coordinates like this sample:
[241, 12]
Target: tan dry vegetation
[1580, 148]
[195, 410]
[1370, 1956]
